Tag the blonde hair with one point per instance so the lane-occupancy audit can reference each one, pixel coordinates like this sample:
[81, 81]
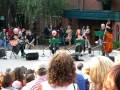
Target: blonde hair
[97, 70]
[112, 80]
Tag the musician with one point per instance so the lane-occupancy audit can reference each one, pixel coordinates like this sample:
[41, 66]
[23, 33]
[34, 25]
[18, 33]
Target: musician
[107, 39]
[30, 40]
[16, 43]
[54, 42]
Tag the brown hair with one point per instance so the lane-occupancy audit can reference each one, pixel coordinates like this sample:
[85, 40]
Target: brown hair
[61, 71]
[7, 80]
[112, 80]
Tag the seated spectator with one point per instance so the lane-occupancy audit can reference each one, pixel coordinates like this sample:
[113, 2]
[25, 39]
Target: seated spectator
[112, 80]
[61, 73]
[98, 68]
[6, 83]
[40, 76]
[16, 85]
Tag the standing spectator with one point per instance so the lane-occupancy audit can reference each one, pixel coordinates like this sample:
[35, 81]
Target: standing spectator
[61, 73]
[112, 80]
[98, 68]
[80, 78]
[46, 32]
[2, 38]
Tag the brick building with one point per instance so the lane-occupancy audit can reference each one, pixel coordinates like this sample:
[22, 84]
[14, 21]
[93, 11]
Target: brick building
[92, 12]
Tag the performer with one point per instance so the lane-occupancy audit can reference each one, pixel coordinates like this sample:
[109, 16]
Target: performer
[86, 35]
[30, 40]
[54, 42]
[16, 43]
[69, 35]
[107, 39]
[79, 42]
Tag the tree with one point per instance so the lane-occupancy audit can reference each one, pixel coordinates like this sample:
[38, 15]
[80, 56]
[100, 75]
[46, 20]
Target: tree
[48, 9]
[31, 10]
[53, 9]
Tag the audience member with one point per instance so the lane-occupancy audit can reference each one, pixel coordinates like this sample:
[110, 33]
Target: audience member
[61, 73]
[112, 80]
[40, 76]
[16, 85]
[19, 75]
[98, 68]
[81, 79]
[6, 83]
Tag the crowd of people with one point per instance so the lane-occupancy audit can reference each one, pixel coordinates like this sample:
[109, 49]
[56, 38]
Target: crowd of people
[100, 73]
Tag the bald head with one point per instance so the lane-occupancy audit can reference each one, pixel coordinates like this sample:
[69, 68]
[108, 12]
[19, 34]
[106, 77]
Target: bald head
[102, 26]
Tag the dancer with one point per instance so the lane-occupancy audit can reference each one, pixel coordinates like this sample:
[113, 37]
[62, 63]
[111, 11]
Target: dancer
[69, 35]
[80, 42]
[54, 42]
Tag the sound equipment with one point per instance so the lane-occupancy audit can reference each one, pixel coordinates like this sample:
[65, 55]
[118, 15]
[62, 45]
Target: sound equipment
[2, 52]
[32, 56]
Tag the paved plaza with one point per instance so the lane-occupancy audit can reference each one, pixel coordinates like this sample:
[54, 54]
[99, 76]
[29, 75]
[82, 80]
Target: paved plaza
[44, 57]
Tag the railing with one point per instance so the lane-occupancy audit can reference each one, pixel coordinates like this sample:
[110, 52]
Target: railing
[90, 14]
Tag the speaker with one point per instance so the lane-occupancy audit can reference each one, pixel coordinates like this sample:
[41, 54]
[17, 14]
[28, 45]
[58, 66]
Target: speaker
[2, 52]
[32, 56]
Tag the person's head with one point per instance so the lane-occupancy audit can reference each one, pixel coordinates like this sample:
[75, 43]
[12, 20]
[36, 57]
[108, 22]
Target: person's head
[80, 66]
[98, 68]
[16, 85]
[41, 69]
[7, 81]
[68, 27]
[102, 26]
[112, 80]
[29, 77]
[18, 74]
[61, 70]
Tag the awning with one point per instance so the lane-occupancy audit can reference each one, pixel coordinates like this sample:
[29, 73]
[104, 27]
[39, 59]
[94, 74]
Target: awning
[92, 15]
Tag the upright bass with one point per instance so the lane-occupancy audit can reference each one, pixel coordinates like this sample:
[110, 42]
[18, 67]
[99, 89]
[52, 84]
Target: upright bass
[107, 41]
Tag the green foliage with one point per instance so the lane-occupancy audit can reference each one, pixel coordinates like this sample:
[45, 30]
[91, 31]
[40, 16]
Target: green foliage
[30, 8]
[45, 8]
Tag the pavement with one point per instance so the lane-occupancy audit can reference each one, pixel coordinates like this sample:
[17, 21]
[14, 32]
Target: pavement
[44, 57]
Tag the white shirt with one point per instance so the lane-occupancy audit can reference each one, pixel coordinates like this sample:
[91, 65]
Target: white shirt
[46, 86]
